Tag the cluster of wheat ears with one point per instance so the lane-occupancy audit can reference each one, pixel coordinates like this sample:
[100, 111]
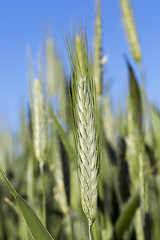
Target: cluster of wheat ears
[96, 174]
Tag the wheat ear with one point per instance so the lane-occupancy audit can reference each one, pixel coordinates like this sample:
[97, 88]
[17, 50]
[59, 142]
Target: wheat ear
[87, 150]
[86, 130]
[39, 122]
[130, 29]
[98, 48]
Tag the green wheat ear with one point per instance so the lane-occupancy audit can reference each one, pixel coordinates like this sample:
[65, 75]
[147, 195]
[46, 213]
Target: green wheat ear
[137, 159]
[85, 127]
[98, 49]
[130, 29]
[39, 122]
[51, 68]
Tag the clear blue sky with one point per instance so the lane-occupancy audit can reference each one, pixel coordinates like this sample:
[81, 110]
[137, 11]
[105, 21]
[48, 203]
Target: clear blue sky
[24, 23]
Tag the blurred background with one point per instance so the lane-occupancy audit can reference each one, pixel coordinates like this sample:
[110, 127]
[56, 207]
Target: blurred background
[26, 24]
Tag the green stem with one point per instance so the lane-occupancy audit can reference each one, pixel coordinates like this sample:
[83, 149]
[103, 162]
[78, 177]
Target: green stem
[44, 195]
[30, 181]
[89, 230]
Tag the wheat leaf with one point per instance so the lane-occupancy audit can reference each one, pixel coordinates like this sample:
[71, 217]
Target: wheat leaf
[38, 231]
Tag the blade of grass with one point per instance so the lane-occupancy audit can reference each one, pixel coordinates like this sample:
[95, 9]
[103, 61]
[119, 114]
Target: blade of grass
[39, 232]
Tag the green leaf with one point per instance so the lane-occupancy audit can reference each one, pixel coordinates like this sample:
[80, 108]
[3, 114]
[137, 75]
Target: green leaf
[135, 97]
[126, 216]
[38, 231]
[70, 150]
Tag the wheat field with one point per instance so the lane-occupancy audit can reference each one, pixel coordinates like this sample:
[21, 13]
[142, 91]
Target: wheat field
[78, 170]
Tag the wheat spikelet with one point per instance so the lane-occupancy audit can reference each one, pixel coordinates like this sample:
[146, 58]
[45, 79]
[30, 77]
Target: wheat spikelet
[39, 122]
[130, 29]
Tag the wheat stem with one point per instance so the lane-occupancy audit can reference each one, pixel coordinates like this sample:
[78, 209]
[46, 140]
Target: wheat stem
[44, 194]
[89, 230]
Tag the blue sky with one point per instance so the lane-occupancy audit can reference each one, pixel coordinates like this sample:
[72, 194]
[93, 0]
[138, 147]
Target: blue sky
[24, 23]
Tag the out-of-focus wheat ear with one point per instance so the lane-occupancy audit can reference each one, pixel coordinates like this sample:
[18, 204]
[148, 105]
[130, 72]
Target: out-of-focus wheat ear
[51, 68]
[39, 121]
[130, 28]
[108, 121]
[59, 194]
[30, 75]
[40, 141]
[98, 49]
[56, 81]
[86, 130]
[154, 140]
[64, 97]
[6, 148]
